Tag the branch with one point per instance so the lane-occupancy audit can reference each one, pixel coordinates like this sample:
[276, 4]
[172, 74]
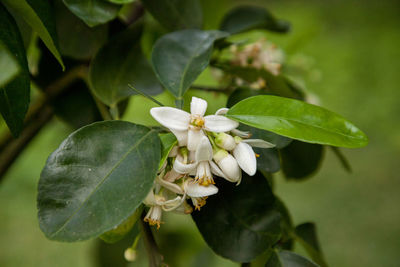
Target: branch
[155, 257]
[40, 113]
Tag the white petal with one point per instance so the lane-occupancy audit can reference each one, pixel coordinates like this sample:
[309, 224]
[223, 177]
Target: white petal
[204, 150]
[194, 137]
[230, 168]
[222, 111]
[246, 158]
[193, 189]
[181, 136]
[258, 143]
[217, 123]
[150, 199]
[216, 170]
[241, 134]
[183, 168]
[170, 186]
[198, 106]
[172, 118]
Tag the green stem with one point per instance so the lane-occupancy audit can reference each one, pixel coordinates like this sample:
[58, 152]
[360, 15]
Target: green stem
[155, 257]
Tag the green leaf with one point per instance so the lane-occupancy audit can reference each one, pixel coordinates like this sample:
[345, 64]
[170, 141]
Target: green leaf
[286, 241]
[245, 18]
[176, 14]
[288, 259]
[14, 96]
[297, 120]
[168, 141]
[274, 84]
[306, 235]
[81, 43]
[96, 179]
[121, 63]
[8, 65]
[240, 222]
[121, 2]
[93, 12]
[300, 160]
[39, 15]
[179, 57]
[123, 229]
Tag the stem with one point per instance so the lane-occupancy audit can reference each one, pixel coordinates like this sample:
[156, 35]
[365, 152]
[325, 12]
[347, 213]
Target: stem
[103, 109]
[40, 113]
[155, 258]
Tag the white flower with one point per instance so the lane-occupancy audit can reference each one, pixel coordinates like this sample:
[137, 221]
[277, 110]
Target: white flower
[188, 128]
[198, 193]
[225, 141]
[228, 165]
[245, 156]
[203, 166]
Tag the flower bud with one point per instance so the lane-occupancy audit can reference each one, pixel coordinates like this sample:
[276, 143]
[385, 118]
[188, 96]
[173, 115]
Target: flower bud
[228, 165]
[225, 141]
[130, 254]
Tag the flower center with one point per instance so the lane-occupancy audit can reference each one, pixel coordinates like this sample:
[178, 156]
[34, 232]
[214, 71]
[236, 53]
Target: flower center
[197, 121]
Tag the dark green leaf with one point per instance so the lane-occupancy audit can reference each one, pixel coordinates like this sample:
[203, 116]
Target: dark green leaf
[245, 18]
[121, 63]
[120, 2]
[176, 14]
[179, 57]
[300, 160]
[297, 120]
[168, 141]
[76, 106]
[39, 15]
[274, 84]
[97, 177]
[286, 241]
[8, 65]
[93, 12]
[77, 40]
[14, 96]
[240, 222]
[288, 259]
[306, 235]
[123, 229]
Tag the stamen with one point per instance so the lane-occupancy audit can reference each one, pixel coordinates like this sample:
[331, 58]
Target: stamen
[257, 155]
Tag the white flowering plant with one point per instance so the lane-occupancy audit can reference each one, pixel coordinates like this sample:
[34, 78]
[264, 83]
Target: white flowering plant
[188, 156]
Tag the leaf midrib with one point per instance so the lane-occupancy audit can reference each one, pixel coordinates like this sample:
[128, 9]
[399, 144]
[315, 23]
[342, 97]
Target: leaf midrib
[101, 182]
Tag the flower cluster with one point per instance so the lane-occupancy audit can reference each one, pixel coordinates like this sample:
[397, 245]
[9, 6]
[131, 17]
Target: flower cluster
[208, 147]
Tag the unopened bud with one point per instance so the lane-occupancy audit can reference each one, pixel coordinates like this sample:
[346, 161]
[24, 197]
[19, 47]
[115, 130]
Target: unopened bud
[130, 254]
[225, 141]
[228, 165]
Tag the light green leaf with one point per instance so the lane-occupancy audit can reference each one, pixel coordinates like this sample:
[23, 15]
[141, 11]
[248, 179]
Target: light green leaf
[39, 15]
[288, 259]
[179, 57]
[298, 120]
[96, 179]
[121, 63]
[240, 222]
[14, 96]
[8, 65]
[93, 12]
[245, 18]
[176, 14]
[168, 141]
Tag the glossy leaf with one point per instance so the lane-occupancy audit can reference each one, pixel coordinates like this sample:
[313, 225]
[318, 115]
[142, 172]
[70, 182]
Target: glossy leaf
[77, 40]
[93, 12]
[240, 222]
[39, 15]
[301, 160]
[121, 63]
[168, 141]
[14, 96]
[176, 14]
[306, 235]
[179, 57]
[298, 120]
[245, 18]
[288, 259]
[96, 179]
[8, 65]
[119, 232]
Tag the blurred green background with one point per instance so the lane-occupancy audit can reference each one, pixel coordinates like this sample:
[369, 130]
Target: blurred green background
[352, 50]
